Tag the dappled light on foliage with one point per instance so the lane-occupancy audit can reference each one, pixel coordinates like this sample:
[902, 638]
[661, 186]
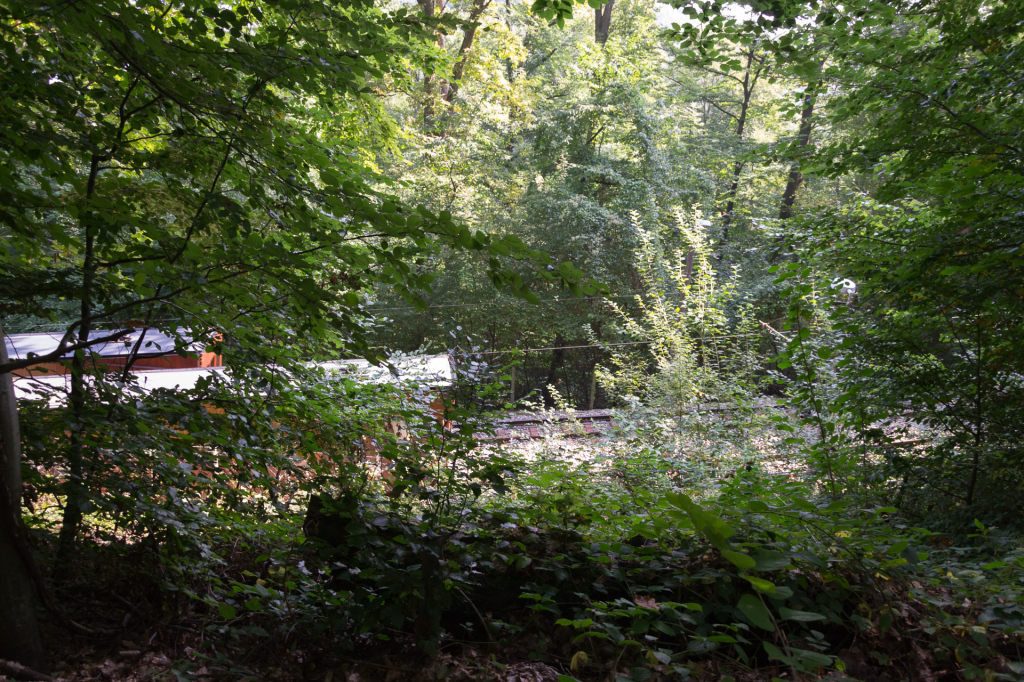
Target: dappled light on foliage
[475, 340]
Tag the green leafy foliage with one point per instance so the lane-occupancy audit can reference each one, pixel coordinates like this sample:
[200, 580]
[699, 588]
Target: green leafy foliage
[933, 327]
[264, 179]
[700, 354]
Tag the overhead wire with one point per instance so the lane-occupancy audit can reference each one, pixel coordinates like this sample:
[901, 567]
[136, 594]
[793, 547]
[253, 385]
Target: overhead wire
[486, 303]
[369, 307]
[602, 345]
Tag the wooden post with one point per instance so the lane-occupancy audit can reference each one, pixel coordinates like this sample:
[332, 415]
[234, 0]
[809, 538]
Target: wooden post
[593, 388]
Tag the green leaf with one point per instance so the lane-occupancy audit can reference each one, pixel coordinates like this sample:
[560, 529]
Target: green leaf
[775, 653]
[704, 522]
[800, 616]
[639, 674]
[760, 584]
[837, 505]
[770, 560]
[741, 560]
[227, 611]
[910, 555]
[662, 657]
[808, 660]
[898, 547]
[756, 612]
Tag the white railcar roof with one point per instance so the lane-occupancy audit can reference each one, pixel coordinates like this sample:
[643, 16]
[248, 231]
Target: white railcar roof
[422, 370]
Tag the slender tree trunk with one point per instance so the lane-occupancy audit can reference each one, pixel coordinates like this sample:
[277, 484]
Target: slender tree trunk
[979, 422]
[74, 489]
[467, 44]
[730, 205]
[603, 22]
[741, 125]
[557, 356]
[509, 73]
[796, 178]
[803, 139]
[593, 387]
[429, 79]
[19, 627]
[687, 276]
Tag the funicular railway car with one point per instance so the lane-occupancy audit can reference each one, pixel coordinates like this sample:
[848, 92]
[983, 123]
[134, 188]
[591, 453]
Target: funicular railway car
[151, 348]
[158, 363]
[428, 377]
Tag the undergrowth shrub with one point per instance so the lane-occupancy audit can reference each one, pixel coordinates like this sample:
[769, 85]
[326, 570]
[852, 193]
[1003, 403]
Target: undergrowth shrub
[665, 553]
[700, 342]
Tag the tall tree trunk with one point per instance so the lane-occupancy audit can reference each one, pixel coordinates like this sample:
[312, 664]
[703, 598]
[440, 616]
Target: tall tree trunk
[803, 138]
[603, 22]
[796, 178]
[741, 125]
[19, 627]
[467, 44]
[429, 79]
[979, 421]
[509, 68]
[730, 205]
[557, 357]
[74, 490]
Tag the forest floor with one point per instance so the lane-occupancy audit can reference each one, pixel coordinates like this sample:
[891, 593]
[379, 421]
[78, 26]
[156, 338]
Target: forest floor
[143, 633]
[142, 644]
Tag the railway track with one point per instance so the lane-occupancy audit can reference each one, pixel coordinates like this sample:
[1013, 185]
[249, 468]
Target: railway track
[595, 423]
[579, 425]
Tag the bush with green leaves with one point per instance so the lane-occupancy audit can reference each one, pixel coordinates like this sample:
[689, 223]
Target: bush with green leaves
[765, 575]
[856, 369]
[698, 343]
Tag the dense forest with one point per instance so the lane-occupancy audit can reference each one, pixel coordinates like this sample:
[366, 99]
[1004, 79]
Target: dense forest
[489, 340]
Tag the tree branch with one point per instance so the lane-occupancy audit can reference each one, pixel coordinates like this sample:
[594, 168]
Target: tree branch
[202, 204]
[19, 672]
